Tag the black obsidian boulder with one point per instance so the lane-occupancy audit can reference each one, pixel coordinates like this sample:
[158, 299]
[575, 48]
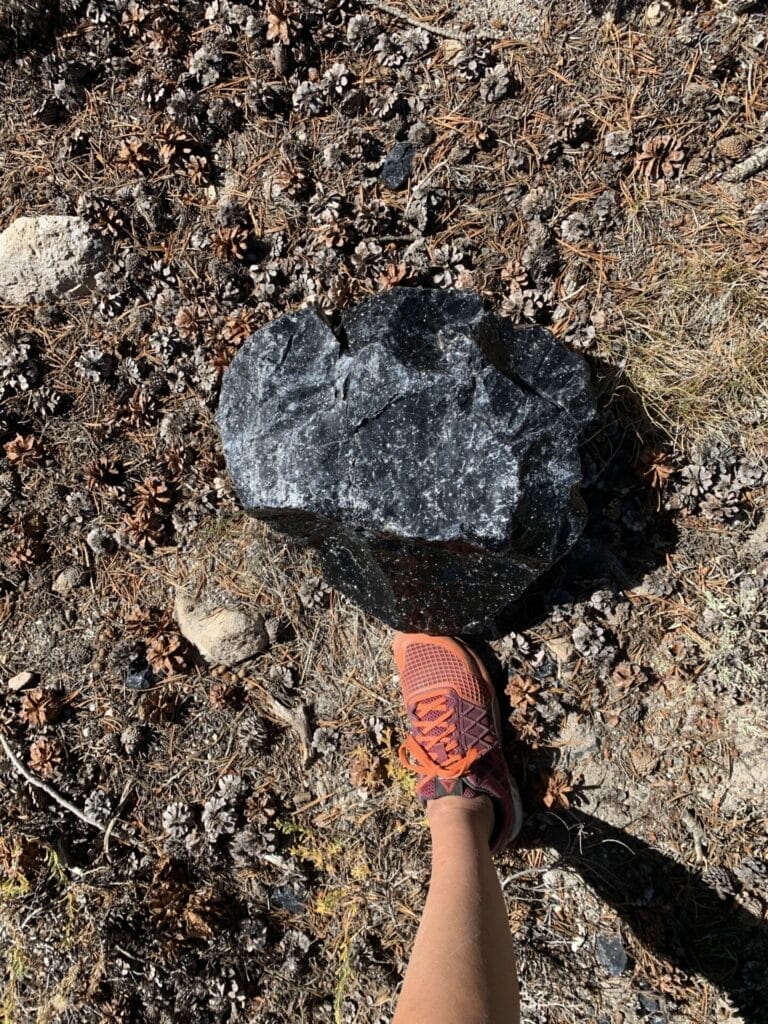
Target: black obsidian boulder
[430, 452]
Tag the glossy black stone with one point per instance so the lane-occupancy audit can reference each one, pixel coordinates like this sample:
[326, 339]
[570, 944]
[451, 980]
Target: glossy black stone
[397, 166]
[430, 452]
[610, 954]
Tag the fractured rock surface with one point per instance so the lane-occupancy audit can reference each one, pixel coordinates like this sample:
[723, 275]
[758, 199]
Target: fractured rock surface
[47, 258]
[430, 453]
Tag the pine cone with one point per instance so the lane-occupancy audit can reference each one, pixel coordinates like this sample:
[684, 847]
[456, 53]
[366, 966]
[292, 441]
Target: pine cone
[135, 154]
[660, 157]
[261, 807]
[153, 493]
[522, 691]
[223, 695]
[45, 757]
[40, 707]
[218, 818]
[734, 147]
[158, 706]
[230, 787]
[282, 22]
[24, 451]
[105, 472]
[169, 654]
[98, 805]
[231, 242]
[132, 738]
[177, 820]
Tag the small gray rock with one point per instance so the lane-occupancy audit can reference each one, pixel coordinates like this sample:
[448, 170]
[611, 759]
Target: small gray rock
[47, 258]
[100, 541]
[21, 680]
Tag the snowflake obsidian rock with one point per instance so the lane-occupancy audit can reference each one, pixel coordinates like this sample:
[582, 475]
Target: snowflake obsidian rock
[433, 458]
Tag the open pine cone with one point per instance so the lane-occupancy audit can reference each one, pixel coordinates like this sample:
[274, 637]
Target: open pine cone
[661, 157]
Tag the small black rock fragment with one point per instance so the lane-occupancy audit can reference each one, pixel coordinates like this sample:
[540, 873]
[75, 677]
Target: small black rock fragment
[397, 166]
[610, 954]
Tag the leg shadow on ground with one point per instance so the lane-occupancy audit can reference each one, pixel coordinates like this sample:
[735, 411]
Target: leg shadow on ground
[668, 907]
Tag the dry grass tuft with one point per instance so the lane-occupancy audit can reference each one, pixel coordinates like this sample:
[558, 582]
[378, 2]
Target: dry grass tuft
[695, 327]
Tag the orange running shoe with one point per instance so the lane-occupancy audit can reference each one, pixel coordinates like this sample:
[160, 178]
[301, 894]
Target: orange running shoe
[455, 738]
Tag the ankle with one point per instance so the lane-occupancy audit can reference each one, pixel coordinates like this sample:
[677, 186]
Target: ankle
[449, 813]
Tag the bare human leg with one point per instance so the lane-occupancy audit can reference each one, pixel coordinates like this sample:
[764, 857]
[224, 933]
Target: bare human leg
[462, 969]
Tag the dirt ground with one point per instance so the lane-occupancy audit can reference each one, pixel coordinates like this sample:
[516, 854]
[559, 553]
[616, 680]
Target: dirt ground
[226, 844]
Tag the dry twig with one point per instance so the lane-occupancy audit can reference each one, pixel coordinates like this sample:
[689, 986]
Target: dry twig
[435, 30]
[296, 719]
[33, 780]
[746, 168]
[62, 801]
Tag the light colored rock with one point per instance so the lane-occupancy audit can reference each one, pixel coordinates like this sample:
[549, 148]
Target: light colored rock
[101, 541]
[20, 681]
[47, 258]
[224, 636]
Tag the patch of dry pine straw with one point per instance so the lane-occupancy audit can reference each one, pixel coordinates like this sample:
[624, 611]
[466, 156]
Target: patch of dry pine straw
[694, 325]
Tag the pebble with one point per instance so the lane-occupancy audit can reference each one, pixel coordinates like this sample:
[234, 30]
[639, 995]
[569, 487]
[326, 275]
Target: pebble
[224, 636]
[21, 680]
[292, 898]
[140, 678]
[48, 257]
[397, 166]
[611, 954]
[650, 1004]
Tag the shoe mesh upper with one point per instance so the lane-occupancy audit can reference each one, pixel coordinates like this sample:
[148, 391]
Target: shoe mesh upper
[454, 746]
[428, 666]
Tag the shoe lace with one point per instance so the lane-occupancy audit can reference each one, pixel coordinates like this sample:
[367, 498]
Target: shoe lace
[428, 732]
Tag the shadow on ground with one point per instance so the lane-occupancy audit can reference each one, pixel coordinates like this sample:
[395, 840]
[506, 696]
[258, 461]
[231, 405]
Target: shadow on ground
[668, 907]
